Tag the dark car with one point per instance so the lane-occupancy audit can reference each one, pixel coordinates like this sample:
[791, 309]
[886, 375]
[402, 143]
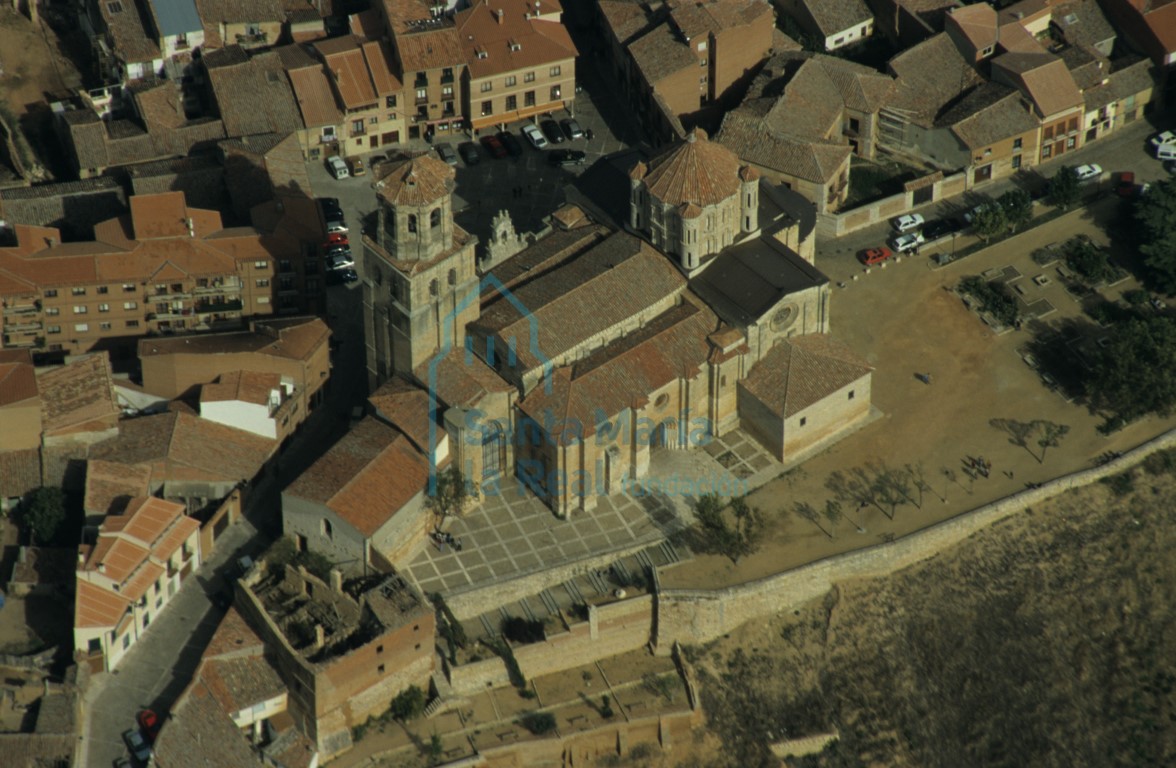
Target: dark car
[552, 131]
[446, 153]
[564, 157]
[513, 146]
[337, 248]
[571, 128]
[940, 228]
[494, 147]
[469, 153]
[341, 276]
[137, 745]
[332, 211]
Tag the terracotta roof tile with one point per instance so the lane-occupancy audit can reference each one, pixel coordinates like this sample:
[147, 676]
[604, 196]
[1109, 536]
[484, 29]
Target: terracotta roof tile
[508, 36]
[110, 485]
[833, 16]
[989, 114]
[20, 472]
[747, 135]
[233, 637]
[414, 181]
[18, 382]
[240, 683]
[345, 62]
[462, 379]
[97, 607]
[930, 75]
[405, 406]
[199, 734]
[255, 96]
[366, 477]
[295, 338]
[798, 372]
[378, 54]
[244, 386]
[977, 23]
[78, 395]
[695, 171]
[1043, 77]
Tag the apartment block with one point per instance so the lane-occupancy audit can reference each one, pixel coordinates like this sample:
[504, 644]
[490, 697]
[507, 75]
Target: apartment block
[429, 58]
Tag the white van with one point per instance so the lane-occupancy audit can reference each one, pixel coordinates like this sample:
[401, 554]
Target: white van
[337, 167]
[1166, 152]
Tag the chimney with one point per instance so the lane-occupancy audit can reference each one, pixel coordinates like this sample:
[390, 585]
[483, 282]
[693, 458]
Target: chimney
[81, 559]
[337, 580]
[101, 567]
[498, 15]
[191, 227]
[320, 636]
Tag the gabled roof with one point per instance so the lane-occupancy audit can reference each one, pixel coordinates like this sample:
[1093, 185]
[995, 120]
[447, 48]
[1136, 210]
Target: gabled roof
[129, 35]
[977, 23]
[800, 371]
[462, 379]
[405, 406]
[748, 135]
[18, 383]
[989, 114]
[199, 734]
[930, 76]
[661, 53]
[1127, 81]
[1082, 22]
[622, 375]
[110, 485]
[1042, 77]
[97, 607]
[833, 16]
[422, 41]
[365, 478]
[315, 98]
[254, 387]
[254, 96]
[345, 62]
[295, 338]
[508, 35]
[78, 396]
[695, 171]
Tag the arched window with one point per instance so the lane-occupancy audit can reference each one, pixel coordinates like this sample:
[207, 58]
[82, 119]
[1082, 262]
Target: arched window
[435, 218]
[327, 529]
[433, 287]
[412, 222]
[453, 277]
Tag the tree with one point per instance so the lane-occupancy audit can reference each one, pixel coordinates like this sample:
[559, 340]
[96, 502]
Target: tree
[1019, 432]
[42, 513]
[806, 511]
[409, 704]
[1155, 220]
[918, 476]
[436, 748]
[893, 490]
[449, 494]
[833, 514]
[1051, 435]
[1064, 187]
[988, 220]
[538, 723]
[1018, 208]
[713, 534]
[1135, 373]
[856, 487]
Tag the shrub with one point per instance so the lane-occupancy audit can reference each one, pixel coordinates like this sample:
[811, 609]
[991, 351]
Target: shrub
[521, 630]
[409, 704]
[1160, 462]
[538, 723]
[993, 298]
[1120, 484]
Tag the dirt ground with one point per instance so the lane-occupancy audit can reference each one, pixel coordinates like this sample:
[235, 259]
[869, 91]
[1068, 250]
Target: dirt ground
[1046, 640]
[905, 320]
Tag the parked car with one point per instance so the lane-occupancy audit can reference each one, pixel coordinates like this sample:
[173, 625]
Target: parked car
[138, 746]
[336, 238]
[941, 228]
[337, 167]
[552, 131]
[446, 153]
[1088, 172]
[1162, 138]
[340, 261]
[494, 146]
[1170, 167]
[1126, 185]
[330, 208]
[341, 276]
[873, 256]
[908, 242]
[357, 168]
[571, 128]
[122, 762]
[469, 152]
[970, 215]
[565, 157]
[534, 136]
[512, 145]
[334, 248]
[149, 723]
[907, 222]
[336, 227]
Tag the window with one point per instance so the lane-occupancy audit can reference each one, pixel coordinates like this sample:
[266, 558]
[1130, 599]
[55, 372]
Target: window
[261, 265]
[422, 94]
[453, 277]
[126, 641]
[132, 323]
[803, 420]
[1048, 132]
[702, 45]
[854, 125]
[373, 120]
[554, 71]
[702, 80]
[555, 93]
[1071, 142]
[447, 75]
[510, 81]
[412, 222]
[329, 133]
[512, 103]
[53, 329]
[81, 327]
[851, 394]
[103, 307]
[447, 92]
[326, 528]
[487, 87]
[487, 108]
[51, 293]
[262, 282]
[357, 126]
[434, 218]
[433, 287]
[529, 99]
[103, 289]
[263, 300]
[702, 62]
[1017, 143]
[104, 326]
[380, 669]
[95, 645]
[79, 291]
[80, 309]
[390, 102]
[839, 41]
[130, 305]
[529, 77]
[1046, 151]
[1016, 161]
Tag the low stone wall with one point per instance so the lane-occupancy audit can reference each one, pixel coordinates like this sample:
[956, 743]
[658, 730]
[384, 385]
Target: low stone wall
[699, 616]
[838, 224]
[475, 677]
[611, 629]
[221, 520]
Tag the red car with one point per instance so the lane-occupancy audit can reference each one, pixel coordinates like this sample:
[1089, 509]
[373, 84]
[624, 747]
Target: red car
[1126, 186]
[494, 147]
[149, 723]
[336, 238]
[876, 255]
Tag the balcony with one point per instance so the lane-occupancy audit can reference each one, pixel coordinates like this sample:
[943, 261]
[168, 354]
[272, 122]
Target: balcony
[250, 40]
[170, 314]
[421, 101]
[233, 286]
[23, 326]
[226, 305]
[23, 341]
[22, 309]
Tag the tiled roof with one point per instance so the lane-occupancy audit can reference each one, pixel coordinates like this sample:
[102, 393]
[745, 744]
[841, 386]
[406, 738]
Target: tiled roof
[405, 406]
[97, 607]
[661, 53]
[252, 387]
[833, 16]
[505, 37]
[215, 12]
[199, 734]
[930, 75]
[626, 18]
[1128, 81]
[747, 135]
[544, 254]
[380, 63]
[462, 379]
[316, 100]
[989, 114]
[1160, 18]
[1087, 66]
[344, 60]
[159, 524]
[240, 683]
[623, 374]
[612, 282]
[87, 133]
[78, 395]
[233, 637]
[296, 56]
[1014, 38]
[1043, 77]
[415, 181]
[20, 472]
[18, 382]
[125, 25]
[422, 42]
[110, 485]
[255, 96]
[695, 171]
[366, 477]
[295, 338]
[749, 278]
[800, 371]
[977, 23]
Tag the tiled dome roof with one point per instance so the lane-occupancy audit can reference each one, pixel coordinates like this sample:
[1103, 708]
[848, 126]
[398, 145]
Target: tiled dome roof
[695, 171]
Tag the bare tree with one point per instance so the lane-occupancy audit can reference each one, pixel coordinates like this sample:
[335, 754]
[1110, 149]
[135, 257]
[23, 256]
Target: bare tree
[806, 511]
[833, 514]
[918, 476]
[1051, 435]
[1019, 432]
[897, 481]
[852, 488]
